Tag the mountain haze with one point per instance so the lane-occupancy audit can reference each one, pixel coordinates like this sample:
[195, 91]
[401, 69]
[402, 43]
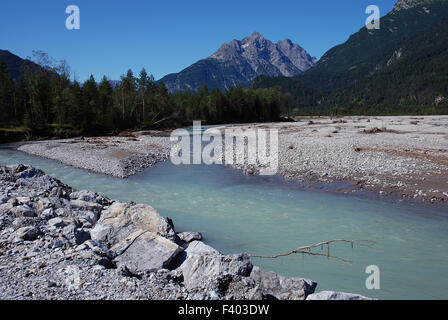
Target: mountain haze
[237, 63]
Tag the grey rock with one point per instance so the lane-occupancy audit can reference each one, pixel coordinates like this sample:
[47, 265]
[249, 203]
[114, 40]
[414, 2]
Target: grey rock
[70, 276]
[332, 295]
[86, 206]
[16, 169]
[199, 269]
[57, 243]
[61, 212]
[58, 192]
[194, 247]
[97, 247]
[24, 200]
[81, 235]
[41, 184]
[30, 173]
[47, 214]
[20, 222]
[74, 235]
[3, 198]
[282, 288]
[5, 208]
[68, 231]
[198, 247]
[56, 222]
[84, 195]
[29, 233]
[120, 220]
[43, 203]
[145, 251]
[231, 287]
[23, 211]
[13, 202]
[189, 236]
[89, 217]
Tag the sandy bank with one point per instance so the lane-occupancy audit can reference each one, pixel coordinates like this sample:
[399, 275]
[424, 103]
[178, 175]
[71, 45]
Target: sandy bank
[116, 156]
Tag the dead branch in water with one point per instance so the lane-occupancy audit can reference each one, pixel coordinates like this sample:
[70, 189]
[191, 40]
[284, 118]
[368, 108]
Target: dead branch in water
[308, 249]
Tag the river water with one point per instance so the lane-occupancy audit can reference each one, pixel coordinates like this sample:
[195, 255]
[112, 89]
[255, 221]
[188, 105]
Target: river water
[268, 215]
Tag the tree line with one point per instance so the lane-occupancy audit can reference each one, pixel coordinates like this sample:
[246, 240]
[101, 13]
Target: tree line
[44, 101]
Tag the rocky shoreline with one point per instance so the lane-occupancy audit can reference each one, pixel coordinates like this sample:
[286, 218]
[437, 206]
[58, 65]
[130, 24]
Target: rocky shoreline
[60, 243]
[403, 157]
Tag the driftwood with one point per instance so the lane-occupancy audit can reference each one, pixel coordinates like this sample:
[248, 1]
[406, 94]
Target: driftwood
[308, 250]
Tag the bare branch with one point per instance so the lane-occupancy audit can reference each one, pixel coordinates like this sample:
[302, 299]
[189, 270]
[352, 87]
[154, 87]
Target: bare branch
[308, 249]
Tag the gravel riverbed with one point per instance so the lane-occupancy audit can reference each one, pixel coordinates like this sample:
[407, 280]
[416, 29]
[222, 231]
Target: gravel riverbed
[405, 157]
[116, 156]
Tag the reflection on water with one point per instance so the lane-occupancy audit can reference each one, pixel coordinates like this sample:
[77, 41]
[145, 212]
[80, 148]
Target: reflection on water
[266, 215]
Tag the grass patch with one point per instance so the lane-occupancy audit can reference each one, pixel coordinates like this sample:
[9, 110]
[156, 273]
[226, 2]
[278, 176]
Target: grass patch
[15, 130]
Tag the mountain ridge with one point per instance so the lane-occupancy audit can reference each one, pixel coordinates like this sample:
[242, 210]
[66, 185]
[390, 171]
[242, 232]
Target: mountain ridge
[13, 62]
[238, 62]
[403, 63]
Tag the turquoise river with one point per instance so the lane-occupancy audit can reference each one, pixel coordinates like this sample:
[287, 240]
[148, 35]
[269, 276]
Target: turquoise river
[268, 215]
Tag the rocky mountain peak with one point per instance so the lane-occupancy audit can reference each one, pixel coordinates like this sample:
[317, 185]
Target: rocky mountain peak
[255, 35]
[240, 61]
[290, 58]
[285, 42]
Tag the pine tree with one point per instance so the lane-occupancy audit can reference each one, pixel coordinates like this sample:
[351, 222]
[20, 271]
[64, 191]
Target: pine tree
[6, 94]
[105, 100]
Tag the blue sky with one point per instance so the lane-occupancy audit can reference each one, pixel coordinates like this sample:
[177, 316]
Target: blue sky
[166, 36]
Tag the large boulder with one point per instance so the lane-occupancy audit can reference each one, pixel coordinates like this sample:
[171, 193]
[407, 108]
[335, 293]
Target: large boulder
[200, 269]
[145, 251]
[280, 287]
[332, 295]
[122, 219]
[194, 247]
[199, 247]
[140, 238]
